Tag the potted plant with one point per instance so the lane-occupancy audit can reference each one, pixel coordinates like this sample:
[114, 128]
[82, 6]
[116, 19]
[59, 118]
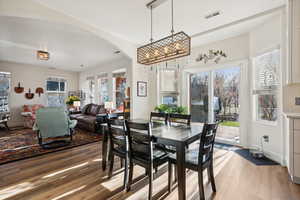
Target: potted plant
[70, 101]
[164, 108]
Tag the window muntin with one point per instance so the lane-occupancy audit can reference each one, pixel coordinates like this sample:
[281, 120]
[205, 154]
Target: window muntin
[168, 84]
[56, 92]
[103, 90]
[266, 82]
[5, 79]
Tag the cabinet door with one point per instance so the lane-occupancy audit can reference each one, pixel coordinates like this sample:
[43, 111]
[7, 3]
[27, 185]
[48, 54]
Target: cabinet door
[296, 11]
[296, 56]
[297, 142]
[297, 165]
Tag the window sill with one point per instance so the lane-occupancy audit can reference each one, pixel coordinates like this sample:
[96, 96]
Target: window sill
[267, 123]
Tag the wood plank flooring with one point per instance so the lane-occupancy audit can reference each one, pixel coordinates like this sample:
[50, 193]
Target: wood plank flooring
[76, 174]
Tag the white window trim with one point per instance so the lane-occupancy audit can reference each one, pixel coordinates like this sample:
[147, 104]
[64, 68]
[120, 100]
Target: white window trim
[275, 91]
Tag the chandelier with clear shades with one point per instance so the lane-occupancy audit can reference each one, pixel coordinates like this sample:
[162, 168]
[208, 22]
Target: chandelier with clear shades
[174, 46]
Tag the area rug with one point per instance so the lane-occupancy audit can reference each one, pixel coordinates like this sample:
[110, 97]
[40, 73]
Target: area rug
[21, 144]
[246, 154]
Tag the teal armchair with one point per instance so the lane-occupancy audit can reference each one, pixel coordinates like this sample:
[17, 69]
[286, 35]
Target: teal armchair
[53, 122]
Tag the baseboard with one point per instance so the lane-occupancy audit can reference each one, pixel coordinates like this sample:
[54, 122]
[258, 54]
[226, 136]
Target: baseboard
[271, 155]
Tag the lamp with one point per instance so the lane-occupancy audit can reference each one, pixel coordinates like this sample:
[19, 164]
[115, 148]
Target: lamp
[109, 105]
[174, 46]
[77, 105]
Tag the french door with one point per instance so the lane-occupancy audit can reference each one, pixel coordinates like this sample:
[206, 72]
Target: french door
[215, 96]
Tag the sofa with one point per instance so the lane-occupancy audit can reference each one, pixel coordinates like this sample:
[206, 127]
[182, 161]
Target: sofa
[29, 114]
[86, 119]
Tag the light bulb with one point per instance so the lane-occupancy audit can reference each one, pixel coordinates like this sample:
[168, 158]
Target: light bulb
[166, 49]
[156, 53]
[147, 55]
[177, 46]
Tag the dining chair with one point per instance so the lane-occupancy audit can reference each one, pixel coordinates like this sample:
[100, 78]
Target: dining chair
[142, 151]
[199, 159]
[118, 141]
[175, 119]
[159, 117]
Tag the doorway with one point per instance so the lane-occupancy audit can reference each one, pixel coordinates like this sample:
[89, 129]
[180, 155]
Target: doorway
[215, 96]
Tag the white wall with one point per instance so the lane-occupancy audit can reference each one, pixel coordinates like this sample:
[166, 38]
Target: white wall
[108, 68]
[240, 50]
[237, 50]
[266, 37]
[32, 77]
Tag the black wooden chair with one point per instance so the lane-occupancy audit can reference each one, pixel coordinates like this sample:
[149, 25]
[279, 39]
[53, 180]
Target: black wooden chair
[142, 152]
[159, 117]
[200, 159]
[118, 141]
[181, 119]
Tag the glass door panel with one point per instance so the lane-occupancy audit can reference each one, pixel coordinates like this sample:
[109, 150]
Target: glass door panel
[226, 84]
[199, 97]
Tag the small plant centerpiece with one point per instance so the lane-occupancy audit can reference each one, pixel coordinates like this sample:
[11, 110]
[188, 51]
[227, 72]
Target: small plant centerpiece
[70, 101]
[164, 108]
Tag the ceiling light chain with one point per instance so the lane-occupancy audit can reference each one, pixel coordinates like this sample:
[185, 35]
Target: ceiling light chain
[169, 48]
[172, 10]
[151, 38]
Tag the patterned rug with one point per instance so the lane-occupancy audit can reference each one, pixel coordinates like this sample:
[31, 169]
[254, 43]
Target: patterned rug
[23, 143]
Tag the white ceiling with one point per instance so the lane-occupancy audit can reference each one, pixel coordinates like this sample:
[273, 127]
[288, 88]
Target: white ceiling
[69, 46]
[130, 19]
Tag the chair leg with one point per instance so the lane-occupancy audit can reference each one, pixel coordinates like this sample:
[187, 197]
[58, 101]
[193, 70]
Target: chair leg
[121, 162]
[170, 174]
[126, 173]
[111, 164]
[130, 176]
[6, 126]
[200, 183]
[175, 174]
[211, 176]
[150, 175]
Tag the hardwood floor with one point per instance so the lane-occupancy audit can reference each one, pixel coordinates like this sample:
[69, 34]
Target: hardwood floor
[76, 174]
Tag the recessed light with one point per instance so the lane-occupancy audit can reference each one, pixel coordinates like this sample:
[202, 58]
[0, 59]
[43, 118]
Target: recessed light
[213, 14]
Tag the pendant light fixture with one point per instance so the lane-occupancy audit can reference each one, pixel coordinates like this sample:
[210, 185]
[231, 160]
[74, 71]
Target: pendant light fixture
[174, 46]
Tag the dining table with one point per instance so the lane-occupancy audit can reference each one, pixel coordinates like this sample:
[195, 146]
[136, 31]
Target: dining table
[178, 136]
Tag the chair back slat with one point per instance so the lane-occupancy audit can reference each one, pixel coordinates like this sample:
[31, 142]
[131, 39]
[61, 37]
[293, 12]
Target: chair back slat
[180, 119]
[140, 140]
[207, 141]
[117, 136]
[161, 117]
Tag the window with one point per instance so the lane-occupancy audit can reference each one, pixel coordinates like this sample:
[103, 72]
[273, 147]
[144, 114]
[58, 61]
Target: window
[5, 78]
[119, 82]
[103, 88]
[91, 91]
[56, 92]
[168, 87]
[266, 72]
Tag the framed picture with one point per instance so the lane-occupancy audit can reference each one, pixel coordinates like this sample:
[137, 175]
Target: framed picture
[141, 89]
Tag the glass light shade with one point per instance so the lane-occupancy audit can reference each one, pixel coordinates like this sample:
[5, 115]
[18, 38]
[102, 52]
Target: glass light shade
[76, 103]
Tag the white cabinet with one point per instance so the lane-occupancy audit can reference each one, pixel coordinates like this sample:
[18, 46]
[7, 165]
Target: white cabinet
[296, 13]
[294, 150]
[295, 41]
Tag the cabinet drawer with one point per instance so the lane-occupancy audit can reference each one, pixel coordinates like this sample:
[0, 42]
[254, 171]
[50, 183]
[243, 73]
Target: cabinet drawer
[297, 165]
[296, 11]
[297, 141]
[296, 124]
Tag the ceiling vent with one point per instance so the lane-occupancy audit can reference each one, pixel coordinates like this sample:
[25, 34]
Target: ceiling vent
[213, 14]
